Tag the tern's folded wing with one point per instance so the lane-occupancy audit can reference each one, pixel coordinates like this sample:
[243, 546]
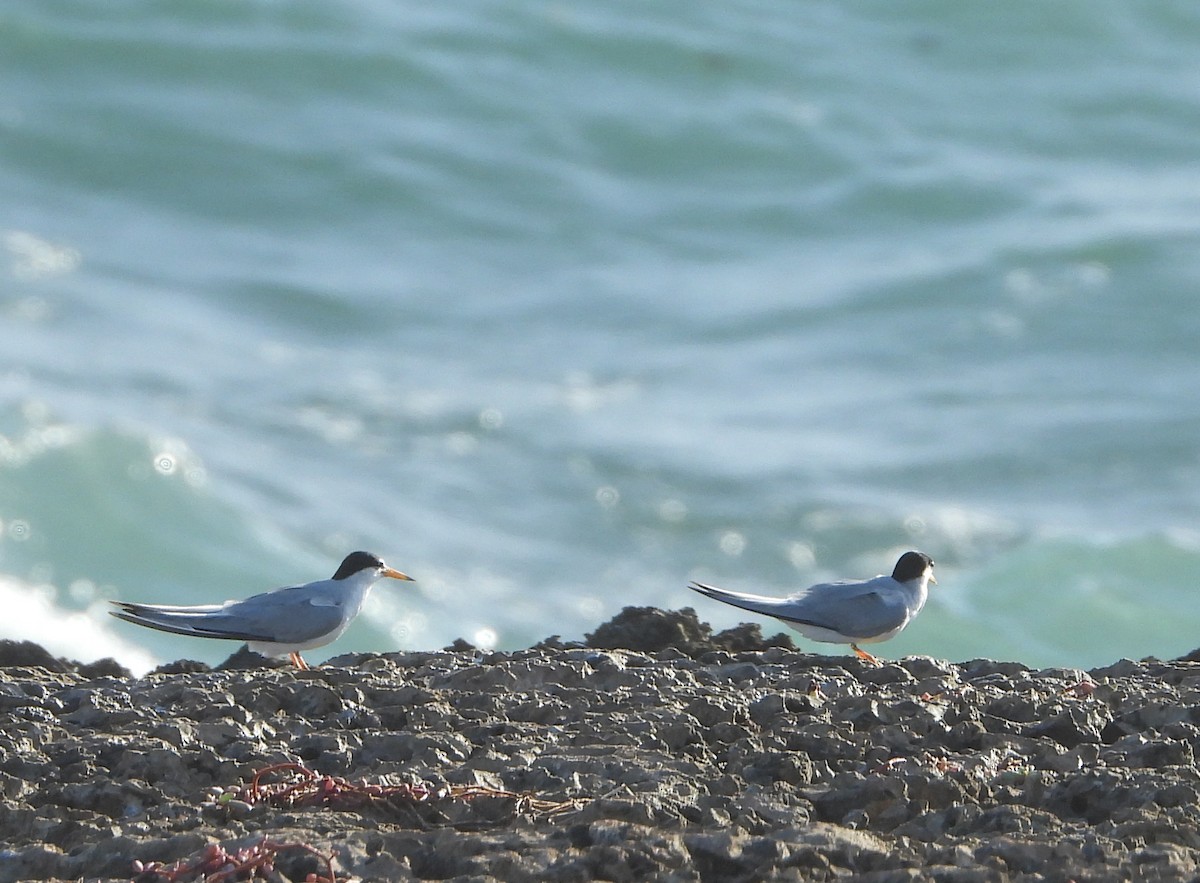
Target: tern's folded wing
[284, 617]
[858, 610]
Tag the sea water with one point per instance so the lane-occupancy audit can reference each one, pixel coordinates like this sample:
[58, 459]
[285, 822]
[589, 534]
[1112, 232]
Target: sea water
[558, 306]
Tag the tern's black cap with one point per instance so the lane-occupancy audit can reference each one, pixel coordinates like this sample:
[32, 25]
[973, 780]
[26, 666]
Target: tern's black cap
[356, 561]
[910, 566]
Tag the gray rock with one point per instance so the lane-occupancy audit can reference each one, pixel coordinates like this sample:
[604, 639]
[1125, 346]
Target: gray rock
[688, 758]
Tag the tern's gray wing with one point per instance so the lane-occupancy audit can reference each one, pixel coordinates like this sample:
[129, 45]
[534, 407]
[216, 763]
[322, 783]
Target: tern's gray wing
[285, 616]
[856, 609]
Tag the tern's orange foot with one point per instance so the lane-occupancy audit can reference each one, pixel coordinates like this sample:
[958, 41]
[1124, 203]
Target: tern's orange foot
[298, 661]
[864, 655]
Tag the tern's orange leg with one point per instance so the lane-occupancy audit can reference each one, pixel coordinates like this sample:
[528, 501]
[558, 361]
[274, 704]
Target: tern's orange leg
[298, 661]
[864, 655]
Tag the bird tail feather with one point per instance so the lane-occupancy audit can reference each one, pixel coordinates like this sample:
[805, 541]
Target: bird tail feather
[756, 603]
[178, 624]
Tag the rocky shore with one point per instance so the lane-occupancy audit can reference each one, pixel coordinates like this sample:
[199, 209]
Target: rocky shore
[655, 751]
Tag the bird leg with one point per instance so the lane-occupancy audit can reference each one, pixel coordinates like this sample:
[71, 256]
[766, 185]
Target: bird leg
[297, 661]
[864, 655]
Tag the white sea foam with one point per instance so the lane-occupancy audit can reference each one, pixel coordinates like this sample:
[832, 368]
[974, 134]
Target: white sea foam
[30, 614]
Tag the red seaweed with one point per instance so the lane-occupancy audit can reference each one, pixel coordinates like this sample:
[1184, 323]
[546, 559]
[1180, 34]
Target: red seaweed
[216, 865]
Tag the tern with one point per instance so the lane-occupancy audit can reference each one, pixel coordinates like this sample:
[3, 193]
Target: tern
[848, 611]
[276, 623]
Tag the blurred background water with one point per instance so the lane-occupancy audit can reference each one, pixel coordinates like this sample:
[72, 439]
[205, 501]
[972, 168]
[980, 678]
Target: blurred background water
[557, 307]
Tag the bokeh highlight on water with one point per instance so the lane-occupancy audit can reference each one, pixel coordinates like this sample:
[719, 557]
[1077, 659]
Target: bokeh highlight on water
[557, 308]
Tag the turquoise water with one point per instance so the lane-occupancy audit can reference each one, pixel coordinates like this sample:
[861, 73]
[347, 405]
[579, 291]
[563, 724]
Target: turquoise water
[557, 308]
